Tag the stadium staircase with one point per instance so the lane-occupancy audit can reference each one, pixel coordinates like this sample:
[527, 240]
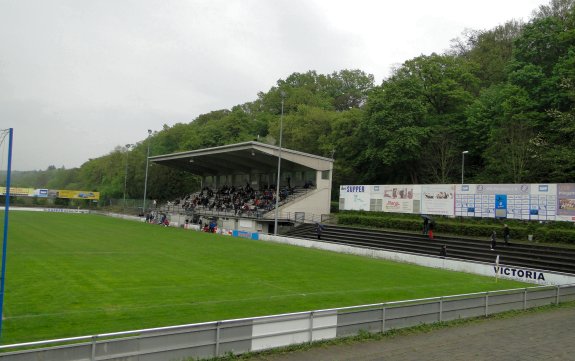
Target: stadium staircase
[517, 254]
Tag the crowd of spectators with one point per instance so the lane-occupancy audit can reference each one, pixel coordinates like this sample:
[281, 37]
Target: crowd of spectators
[237, 200]
[156, 217]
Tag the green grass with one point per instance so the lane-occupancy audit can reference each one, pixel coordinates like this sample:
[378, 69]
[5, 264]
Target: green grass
[77, 274]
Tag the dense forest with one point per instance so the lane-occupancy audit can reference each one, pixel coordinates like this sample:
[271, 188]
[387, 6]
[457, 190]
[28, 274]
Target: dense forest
[505, 95]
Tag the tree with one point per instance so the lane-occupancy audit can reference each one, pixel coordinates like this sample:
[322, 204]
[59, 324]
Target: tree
[106, 174]
[344, 144]
[544, 68]
[394, 132]
[299, 89]
[445, 82]
[543, 42]
[410, 114]
[441, 156]
[306, 129]
[490, 51]
[560, 135]
[556, 8]
[349, 88]
[506, 121]
[506, 95]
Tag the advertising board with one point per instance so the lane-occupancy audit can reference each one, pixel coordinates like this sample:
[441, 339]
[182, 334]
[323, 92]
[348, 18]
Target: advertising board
[438, 199]
[78, 194]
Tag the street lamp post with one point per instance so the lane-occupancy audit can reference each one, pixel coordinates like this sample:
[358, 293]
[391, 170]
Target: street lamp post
[146, 179]
[279, 168]
[128, 146]
[463, 163]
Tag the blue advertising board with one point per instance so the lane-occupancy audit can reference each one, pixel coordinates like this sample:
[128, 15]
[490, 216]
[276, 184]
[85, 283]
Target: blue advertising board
[246, 234]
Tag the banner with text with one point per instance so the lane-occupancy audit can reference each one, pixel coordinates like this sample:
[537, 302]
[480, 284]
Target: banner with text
[16, 191]
[78, 194]
[438, 199]
[399, 198]
[355, 198]
[566, 200]
[516, 201]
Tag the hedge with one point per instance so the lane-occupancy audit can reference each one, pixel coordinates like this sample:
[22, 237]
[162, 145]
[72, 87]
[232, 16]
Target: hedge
[551, 232]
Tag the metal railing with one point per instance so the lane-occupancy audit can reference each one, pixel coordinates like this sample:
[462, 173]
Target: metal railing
[212, 339]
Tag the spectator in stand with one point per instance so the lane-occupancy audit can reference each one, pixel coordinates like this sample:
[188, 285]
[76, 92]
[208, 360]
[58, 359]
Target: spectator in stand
[237, 200]
[283, 194]
[245, 208]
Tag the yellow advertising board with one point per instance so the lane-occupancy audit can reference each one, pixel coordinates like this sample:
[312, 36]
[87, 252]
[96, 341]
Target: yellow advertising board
[15, 191]
[78, 194]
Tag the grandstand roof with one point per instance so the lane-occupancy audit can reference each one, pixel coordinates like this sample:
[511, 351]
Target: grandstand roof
[240, 158]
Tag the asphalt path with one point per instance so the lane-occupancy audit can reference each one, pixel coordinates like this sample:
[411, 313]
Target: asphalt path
[547, 334]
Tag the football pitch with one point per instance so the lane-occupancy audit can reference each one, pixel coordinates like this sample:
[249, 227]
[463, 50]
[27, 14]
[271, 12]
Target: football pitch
[80, 274]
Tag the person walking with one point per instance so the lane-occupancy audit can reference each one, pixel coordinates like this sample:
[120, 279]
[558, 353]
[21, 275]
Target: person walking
[430, 229]
[318, 229]
[493, 240]
[506, 234]
[425, 225]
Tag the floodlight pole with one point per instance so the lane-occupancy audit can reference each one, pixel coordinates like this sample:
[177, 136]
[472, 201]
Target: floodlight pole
[279, 168]
[146, 180]
[128, 146]
[5, 240]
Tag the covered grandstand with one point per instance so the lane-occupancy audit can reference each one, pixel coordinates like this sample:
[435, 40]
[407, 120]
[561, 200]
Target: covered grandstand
[255, 164]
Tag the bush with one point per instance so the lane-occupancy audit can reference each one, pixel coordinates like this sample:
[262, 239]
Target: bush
[379, 222]
[550, 232]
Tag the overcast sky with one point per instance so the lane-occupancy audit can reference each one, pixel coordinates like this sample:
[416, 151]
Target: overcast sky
[80, 77]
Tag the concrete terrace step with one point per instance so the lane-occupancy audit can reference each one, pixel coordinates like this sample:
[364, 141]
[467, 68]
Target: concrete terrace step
[469, 244]
[535, 256]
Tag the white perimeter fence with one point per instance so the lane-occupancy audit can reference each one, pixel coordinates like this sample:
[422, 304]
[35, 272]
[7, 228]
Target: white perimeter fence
[211, 339]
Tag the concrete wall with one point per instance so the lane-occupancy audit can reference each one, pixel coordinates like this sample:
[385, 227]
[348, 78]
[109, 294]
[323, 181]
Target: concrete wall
[523, 274]
[315, 203]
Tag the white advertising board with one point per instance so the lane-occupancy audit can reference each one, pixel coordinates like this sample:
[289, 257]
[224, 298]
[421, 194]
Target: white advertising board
[537, 202]
[543, 202]
[566, 202]
[515, 201]
[401, 198]
[355, 198]
[438, 199]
